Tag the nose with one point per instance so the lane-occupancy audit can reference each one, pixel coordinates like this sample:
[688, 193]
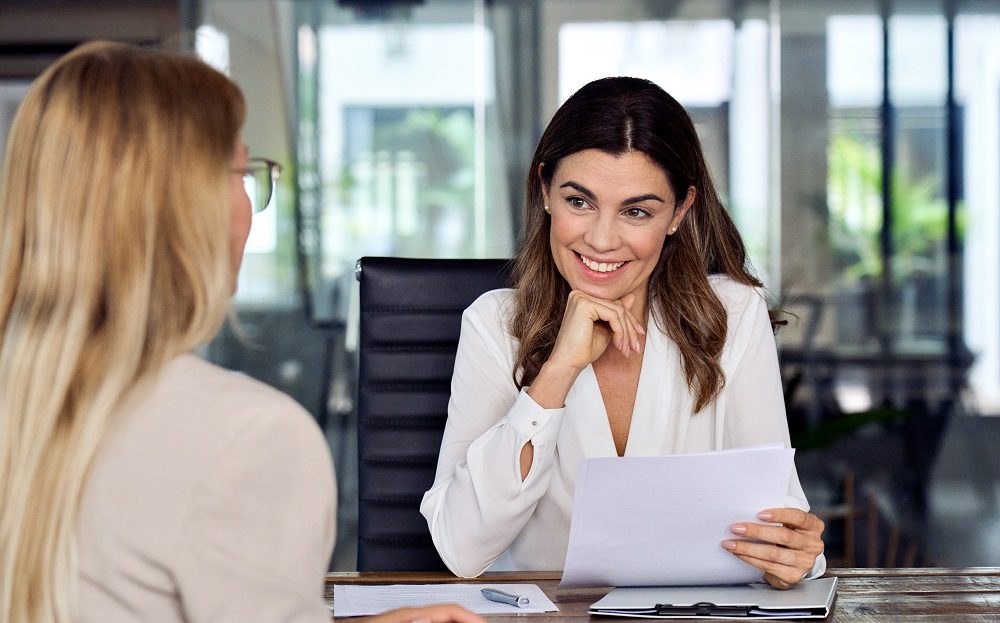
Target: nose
[602, 234]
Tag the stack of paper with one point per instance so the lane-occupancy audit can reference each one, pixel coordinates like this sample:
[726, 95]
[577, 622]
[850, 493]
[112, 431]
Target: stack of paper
[660, 521]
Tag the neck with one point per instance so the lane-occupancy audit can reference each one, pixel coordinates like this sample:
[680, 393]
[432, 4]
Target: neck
[640, 307]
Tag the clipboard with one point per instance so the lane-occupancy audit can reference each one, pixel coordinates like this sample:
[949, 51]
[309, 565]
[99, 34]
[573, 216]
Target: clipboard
[811, 599]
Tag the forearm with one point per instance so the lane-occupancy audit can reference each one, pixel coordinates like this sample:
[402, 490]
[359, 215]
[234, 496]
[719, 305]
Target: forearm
[549, 391]
[552, 385]
[480, 503]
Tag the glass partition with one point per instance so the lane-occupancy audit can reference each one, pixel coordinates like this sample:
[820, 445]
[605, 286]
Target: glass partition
[396, 131]
[12, 91]
[406, 128]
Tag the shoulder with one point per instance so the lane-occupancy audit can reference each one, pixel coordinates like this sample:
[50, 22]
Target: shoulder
[229, 408]
[247, 440]
[227, 389]
[194, 435]
[234, 419]
[486, 326]
[746, 309]
[494, 308]
[493, 301]
[259, 520]
[738, 298]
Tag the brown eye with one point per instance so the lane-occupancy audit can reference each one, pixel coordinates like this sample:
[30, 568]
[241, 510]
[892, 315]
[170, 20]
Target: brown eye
[636, 213]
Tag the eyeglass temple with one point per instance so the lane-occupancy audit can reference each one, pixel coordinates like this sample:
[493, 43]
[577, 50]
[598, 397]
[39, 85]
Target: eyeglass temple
[273, 172]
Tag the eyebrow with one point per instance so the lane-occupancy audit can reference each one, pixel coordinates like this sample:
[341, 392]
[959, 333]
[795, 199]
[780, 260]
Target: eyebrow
[590, 195]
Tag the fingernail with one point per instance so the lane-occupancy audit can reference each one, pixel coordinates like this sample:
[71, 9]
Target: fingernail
[641, 330]
[729, 544]
[738, 528]
[765, 515]
[636, 346]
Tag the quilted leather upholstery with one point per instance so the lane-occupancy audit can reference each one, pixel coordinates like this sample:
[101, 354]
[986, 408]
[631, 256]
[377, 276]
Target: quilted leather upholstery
[411, 311]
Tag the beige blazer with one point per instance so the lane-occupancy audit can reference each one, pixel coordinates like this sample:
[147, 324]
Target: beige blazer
[212, 500]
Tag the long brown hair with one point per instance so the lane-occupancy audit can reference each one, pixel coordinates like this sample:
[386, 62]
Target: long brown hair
[114, 257]
[619, 115]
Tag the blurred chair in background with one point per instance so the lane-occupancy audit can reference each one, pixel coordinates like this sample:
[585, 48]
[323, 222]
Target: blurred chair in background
[411, 314]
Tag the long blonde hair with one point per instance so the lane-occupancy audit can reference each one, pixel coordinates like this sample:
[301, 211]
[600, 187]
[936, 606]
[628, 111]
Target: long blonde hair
[114, 258]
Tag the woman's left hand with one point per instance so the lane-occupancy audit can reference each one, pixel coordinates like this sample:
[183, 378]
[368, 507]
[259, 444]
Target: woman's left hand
[785, 553]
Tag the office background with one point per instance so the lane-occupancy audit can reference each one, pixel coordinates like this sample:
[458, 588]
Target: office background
[406, 126]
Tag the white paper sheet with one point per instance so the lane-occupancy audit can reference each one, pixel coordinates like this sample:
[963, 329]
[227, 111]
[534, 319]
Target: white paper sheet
[660, 521]
[351, 600]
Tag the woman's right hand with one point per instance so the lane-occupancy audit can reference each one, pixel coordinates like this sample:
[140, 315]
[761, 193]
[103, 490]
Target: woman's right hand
[444, 613]
[588, 327]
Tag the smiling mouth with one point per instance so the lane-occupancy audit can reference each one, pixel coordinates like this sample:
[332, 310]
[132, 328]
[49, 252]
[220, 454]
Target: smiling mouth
[600, 267]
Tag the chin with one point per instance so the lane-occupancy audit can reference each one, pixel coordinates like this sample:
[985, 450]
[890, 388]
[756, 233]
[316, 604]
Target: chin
[602, 292]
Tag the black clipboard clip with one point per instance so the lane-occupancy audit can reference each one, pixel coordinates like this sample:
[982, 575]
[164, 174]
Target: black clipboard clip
[702, 609]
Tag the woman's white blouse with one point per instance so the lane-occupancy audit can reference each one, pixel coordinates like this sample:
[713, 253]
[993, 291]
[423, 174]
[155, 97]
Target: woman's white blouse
[479, 511]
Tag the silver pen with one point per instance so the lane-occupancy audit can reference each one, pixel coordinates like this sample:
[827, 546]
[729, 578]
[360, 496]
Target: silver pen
[499, 596]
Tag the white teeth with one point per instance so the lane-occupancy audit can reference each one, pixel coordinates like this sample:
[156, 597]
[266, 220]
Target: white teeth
[600, 267]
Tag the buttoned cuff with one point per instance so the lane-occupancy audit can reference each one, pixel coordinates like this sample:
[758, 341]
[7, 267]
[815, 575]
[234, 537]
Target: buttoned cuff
[532, 422]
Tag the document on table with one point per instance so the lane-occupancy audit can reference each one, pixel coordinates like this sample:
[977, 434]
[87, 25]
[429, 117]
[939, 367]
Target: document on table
[350, 600]
[660, 521]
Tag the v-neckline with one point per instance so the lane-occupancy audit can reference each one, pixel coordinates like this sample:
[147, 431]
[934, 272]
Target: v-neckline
[638, 404]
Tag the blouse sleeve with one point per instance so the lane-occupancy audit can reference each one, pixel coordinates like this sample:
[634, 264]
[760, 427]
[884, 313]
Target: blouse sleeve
[755, 402]
[257, 538]
[478, 503]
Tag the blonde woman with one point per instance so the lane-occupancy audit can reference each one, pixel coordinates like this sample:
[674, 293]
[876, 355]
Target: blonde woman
[138, 482]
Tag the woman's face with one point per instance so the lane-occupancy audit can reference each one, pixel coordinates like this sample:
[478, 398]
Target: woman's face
[241, 211]
[610, 218]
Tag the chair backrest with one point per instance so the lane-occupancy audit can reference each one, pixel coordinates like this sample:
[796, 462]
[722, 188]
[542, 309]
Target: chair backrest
[411, 315]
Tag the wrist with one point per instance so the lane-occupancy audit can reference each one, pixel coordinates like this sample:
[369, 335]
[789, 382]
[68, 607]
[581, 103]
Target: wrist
[554, 368]
[550, 387]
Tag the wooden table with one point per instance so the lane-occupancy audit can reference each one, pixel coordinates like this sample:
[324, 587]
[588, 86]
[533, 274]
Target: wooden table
[876, 595]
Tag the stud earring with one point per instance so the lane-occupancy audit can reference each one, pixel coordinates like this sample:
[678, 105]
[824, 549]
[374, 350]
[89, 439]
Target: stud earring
[673, 229]
[548, 210]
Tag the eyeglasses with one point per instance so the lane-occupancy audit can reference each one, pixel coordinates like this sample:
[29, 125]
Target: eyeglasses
[259, 177]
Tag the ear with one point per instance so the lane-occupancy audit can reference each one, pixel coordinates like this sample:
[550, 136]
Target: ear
[541, 179]
[682, 209]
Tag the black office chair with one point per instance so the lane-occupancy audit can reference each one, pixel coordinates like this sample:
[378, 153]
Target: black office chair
[411, 313]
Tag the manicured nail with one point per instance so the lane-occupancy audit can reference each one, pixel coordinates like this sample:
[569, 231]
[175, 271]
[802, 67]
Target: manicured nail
[765, 515]
[641, 330]
[729, 544]
[738, 528]
[636, 346]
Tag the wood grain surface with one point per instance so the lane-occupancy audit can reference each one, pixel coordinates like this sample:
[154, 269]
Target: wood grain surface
[871, 595]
